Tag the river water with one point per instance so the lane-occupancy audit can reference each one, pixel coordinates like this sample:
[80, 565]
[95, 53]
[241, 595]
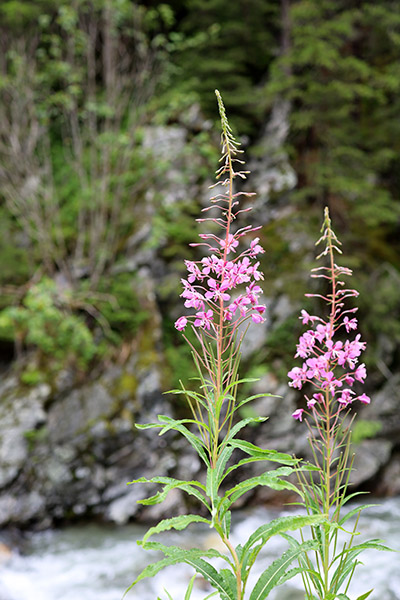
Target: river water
[99, 562]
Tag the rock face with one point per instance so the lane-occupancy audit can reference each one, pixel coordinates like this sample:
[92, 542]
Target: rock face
[68, 450]
[69, 454]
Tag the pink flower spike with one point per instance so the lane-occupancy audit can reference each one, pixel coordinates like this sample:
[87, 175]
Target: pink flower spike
[181, 323]
[364, 399]
[298, 414]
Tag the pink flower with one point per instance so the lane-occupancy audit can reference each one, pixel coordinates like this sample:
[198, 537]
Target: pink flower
[299, 376]
[364, 399]
[230, 244]
[181, 323]
[306, 344]
[306, 318]
[204, 319]
[217, 290]
[194, 271]
[318, 397]
[360, 373]
[257, 317]
[298, 414]
[346, 398]
[349, 323]
[255, 247]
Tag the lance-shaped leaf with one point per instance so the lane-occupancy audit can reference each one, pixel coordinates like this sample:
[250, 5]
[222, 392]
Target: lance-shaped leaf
[211, 575]
[276, 572]
[364, 596]
[216, 475]
[178, 523]
[270, 479]
[191, 438]
[190, 487]
[263, 454]
[276, 527]
[238, 426]
[174, 555]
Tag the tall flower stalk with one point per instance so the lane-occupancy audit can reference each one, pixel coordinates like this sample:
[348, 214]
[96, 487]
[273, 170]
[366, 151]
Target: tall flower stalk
[222, 295]
[219, 309]
[331, 352]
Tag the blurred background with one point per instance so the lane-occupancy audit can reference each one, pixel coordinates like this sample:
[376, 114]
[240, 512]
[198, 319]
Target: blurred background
[109, 138]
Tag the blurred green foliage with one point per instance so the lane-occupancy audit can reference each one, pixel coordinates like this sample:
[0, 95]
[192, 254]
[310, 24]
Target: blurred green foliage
[364, 430]
[43, 320]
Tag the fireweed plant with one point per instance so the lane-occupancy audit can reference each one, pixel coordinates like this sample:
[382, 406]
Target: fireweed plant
[222, 292]
[331, 370]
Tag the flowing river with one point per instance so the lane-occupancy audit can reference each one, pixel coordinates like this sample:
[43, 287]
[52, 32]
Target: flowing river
[99, 562]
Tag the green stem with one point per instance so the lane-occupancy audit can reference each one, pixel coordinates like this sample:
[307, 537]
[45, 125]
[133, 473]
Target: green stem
[238, 569]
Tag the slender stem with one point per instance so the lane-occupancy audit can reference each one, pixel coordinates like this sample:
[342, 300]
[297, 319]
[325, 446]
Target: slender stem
[220, 326]
[238, 569]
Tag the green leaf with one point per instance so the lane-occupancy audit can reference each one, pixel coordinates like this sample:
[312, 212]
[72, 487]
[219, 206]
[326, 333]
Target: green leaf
[270, 479]
[282, 525]
[254, 397]
[276, 572]
[178, 523]
[364, 596]
[153, 569]
[174, 551]
[242, 423]
[374, 544]
[276, 527]
[190, 588]
[190, 487]
[223, 458]
[191, 438]
[262, 454]
[353, 512]
[229, 581]
[175, 555]
[226, 523]
[212, 576]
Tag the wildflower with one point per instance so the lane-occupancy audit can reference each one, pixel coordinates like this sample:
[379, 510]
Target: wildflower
[204, 319]
[349, 324]
[364, 399]
[298, 414]
[299, 376]
[181, 323]
[330, 363]
[360, 373]
[229, 244]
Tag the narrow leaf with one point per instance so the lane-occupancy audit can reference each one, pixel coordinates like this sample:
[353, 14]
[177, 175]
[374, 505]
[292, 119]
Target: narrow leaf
[190, 588]
[263, 454]
[277, 571]
[212, 576]
[364, 596]
[178, 523]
